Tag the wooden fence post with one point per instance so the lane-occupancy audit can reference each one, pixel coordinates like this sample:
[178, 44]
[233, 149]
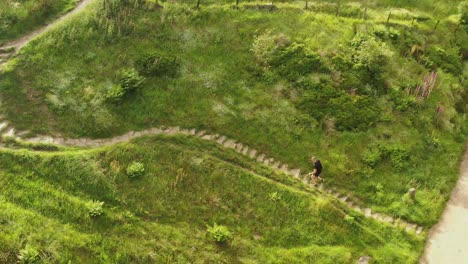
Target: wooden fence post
[435, 27]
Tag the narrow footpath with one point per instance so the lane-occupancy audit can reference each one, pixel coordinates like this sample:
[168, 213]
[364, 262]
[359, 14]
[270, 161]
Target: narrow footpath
[21, 42]
[448, 240]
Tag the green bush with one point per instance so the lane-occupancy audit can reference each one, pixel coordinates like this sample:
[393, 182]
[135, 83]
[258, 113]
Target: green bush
[369, 53]
[130, 80]
[401, 100]
[135, 170]
[158, 65]
[29, 255]
[350, 112]
[447, 59]
[219, 233]
[398, 155]
[95, 208]
[294, 61]
[372, 157]
[115, 93]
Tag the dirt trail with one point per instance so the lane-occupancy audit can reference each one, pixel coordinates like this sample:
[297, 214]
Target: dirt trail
[448, 240]
[21, 42]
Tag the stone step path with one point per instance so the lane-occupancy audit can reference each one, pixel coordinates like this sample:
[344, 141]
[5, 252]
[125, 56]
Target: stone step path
[225, 142]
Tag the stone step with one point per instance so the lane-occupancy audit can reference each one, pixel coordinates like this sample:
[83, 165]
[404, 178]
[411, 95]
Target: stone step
[261, 157]
[239, 147]
[296, 172]
[10, 133]
[253, 153]
[245, 151]
[410, 227]
[221, 140]
[5, 55]
[419, 230]
[200, 133]
[367, 212]
[344, 198]
[3, 125]
[9, 49]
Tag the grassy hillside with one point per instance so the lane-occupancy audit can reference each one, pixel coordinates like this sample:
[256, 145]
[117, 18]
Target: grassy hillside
[162, 216]
[342, 85]
[20, 17]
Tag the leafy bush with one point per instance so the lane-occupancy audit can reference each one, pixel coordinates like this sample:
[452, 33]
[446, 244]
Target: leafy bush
[398, 155]
[362, 63]
[158, 65]
[115, 93]
[264, 46]
[369, 53]
[447, 59]
[401, 100]
[219, 233]
[95, 208]
[294, 61]
[349, 112]
[129, 81]
[29, 255]
[372, 157]
[135, 170]
[463, 10]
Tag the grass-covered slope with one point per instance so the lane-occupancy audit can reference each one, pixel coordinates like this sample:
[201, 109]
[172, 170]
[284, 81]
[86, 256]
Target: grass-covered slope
[290, 83]
[162, 216]
[20, 17]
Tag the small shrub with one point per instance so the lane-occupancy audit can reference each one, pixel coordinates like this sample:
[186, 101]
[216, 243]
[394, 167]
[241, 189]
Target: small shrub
[398, 155]
[219, 233]
[349, 219]
[95, 208]
[130, 80]
[447, 59]
[135, 170]
[158, 65]
[28, 255]
[115, 93]
[274, 197]
[294, 61]
[264, 46]
[372, 157]
[401, 100]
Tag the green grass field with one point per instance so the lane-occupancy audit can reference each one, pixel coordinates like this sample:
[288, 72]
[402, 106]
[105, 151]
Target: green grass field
[382, 104]
[162, 216]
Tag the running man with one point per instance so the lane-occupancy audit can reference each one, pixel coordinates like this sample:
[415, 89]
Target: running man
[315, 177]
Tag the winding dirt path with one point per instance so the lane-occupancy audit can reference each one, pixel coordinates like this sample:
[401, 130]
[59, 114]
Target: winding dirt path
[21, 42]
[448, 240]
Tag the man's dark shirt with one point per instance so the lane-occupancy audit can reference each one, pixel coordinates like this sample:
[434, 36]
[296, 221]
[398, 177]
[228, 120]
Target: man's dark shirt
[318, 167]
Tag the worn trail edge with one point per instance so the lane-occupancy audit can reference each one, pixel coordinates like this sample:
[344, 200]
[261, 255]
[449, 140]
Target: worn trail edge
[10, 49]
[227, 143]
[448, 240]
[16, 45]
